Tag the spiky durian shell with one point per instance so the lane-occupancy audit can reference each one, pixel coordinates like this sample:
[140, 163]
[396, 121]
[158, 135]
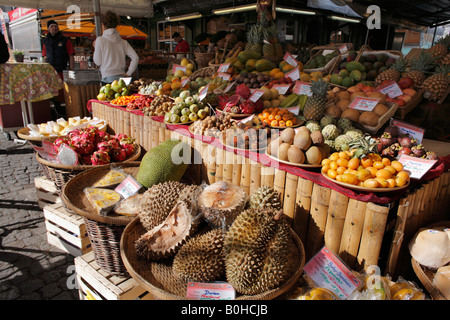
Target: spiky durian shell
[201, 258]
[266, 197]
[163, 273]
[221, 202]
[157, 202]
[259, 252]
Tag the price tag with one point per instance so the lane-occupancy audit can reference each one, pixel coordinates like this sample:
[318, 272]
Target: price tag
[256, 95]
[281, 88]
[177, 67]
[184, 81]
[128, 187]
[202, 93]
[364, 104]
[343, 49]
[326, 270]
[302, 88]
[417, 167]
[210, 291]
[289, 58]
[224, 76]
[228, 88]
[415, 132]
[294, 74]
[391, 89]
[223, 67]
[127, 80]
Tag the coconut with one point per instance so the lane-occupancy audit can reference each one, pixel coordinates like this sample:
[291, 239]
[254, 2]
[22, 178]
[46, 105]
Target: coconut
[431, 247]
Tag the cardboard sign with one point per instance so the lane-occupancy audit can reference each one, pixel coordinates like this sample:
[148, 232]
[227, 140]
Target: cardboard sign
[363, 103]
[228, 88]
[223, 67]
[294, 74]
[391, 89]
[281, 88]
[224, 76]
[302, 88]
[177, 67]
[326, 270]
[256, 95]
[128, 187]
[202, 93]
[289, 58]
[406, 128]
[210, 291]
[184, 81]
[343, 49]
[417, 167]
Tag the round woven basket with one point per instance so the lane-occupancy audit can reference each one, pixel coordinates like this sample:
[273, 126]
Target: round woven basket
[203, 58]
[60, 174]
[203, 72]
[104, 232]
[140, 269]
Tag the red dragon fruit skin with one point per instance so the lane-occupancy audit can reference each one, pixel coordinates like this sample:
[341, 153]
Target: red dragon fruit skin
[104, 146]
[119, 155]
[129, 148]
[100, 158]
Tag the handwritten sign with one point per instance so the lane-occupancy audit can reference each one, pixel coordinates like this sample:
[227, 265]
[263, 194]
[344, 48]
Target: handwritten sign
[364, 103]
[406, 128]
[126, 80]
[302, 88]
[417, 167]
[343, 48]
[326, 270]
[184, 81]
[289, 58]
[210, 291]
[281, 88]
[256, 94]
[223, 67]
[294, 74]
[224, 76]
[228, 88]
[391, 89]
[203, 92]
[128, 187]
[177, 67]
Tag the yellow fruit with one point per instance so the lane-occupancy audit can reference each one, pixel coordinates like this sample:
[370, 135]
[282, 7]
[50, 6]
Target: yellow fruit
[382, 182]
[391, 169]
[353, 163]
[403, 174]
[184, 62]
[371, 183]
[363, 174]
[178, 74]
[384, 173]
[400, 181]
[321, 294]
[373, 171]
[349, 178]
[397, 165]
[190, 67]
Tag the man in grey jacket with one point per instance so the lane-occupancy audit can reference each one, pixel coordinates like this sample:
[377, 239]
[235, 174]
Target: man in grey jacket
[111, 51]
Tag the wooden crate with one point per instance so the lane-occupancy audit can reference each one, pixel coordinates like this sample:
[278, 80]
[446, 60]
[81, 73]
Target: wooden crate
[46, 192]
[96, 284]
[66, 231]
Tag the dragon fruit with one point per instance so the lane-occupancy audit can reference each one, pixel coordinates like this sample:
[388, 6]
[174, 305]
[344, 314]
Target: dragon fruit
[86, 159]
[129, 148]
[247, 107]
[101, 136]
[233, 101]
[82, 140]
[104, 146]
[119, 154]
[113, 144]
[100, 158]
[243, 91]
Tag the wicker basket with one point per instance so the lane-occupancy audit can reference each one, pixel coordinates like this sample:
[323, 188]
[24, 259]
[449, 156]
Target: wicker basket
[178, 61]
[104, 232]
[203, 58]
[206, 72]
[331, 65]
[140, 269]
[60, 174]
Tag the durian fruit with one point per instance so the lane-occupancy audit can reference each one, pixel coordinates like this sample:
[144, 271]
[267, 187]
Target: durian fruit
[221, 202]
[157, 202]
[111, 179]
[266, 197]
[163, 273]
[259, 252]
[164, 240]
[201, 258]
[103, 200]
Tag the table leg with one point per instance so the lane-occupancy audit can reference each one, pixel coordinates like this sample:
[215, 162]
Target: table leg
[30, 112]
[24, 113]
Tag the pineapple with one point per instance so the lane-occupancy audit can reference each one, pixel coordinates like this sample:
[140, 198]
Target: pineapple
[394, 72]
[420, 68]
[436, 85]
[446, 60]
[440, 49]
[315, 105]
[268, 48]
[254, 38]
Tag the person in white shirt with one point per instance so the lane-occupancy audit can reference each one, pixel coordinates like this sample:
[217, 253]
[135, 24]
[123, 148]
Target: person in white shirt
[111, 51]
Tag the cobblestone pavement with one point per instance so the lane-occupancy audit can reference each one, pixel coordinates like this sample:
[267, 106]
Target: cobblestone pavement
[30, 268]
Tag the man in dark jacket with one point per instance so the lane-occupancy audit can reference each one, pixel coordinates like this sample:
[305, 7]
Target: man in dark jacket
[58, 51]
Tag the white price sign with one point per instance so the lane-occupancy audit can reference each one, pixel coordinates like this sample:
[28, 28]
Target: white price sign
[256, 95]
[184, 82]
[289, 58]
[177, 67]
[202, 94]
[294, 74]
[364, 104]
[281, 88]
[417, 167]
[224, 76]
[223, 67]
[391, 89]
[302, 88]
[415, 132]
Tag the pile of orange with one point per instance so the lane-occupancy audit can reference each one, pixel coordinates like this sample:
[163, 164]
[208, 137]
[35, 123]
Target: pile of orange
[278, 117]
[123, 100]
[372, 171]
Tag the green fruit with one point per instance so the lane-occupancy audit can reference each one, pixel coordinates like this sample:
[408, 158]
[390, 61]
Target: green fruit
[117, 95]
[184, 118]
[175, 118]
[101, 96]
[163, 163]
[185, 111]
[348, 82]
[336, 79]
[355, 65]
[356, 75]
[167, 117]
[344, 73]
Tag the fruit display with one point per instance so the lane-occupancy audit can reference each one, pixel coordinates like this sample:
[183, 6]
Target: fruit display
[391, 144]
[320, 61]
[315, 105]
[140, 102]
[179, 74]
[436, 86]
[361, 166]
[187, 108]
[113, 90]
[137, 85]
[61, 127]
[159, 106]
[213, 125]
[239, 102]
[123, 100]
[96, 147]
[103, 200]
[279, 118]
[298, 148]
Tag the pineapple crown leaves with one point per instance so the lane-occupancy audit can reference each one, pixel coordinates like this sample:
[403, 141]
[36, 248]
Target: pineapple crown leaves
[444, 69]
[445, 41]
[400, 65]
[425, 62]
[319, 87]
[363, 145]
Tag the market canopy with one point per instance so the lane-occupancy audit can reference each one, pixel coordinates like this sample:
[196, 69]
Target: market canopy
[133, 8]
